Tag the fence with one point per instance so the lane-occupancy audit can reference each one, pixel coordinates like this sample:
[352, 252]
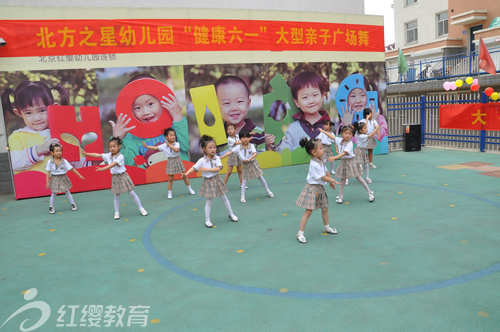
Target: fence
[424, 110]
[442, 68]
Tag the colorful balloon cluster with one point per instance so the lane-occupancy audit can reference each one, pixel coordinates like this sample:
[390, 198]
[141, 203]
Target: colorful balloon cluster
[474, 86]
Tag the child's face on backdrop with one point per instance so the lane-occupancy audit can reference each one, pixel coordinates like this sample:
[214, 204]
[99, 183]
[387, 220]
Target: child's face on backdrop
[357, 99]
[170, 136]
[36, 117]
[234, 102]
[309, 100]
[147, 108]
[230, 130]
[114, 148]
[57, 153]
[210, 149]
[347, 135]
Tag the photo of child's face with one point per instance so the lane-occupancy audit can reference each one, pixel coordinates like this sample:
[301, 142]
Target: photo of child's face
[147, 108]
[234, 102]
[309, 100]
[36, 117]
[357, 99]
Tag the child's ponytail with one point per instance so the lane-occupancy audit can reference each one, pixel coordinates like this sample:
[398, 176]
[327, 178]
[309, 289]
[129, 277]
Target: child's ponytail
[63, 93]
[309, 144]
[6, 103]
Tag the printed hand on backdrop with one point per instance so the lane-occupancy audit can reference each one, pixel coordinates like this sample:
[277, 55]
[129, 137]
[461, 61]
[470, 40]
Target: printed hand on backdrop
[347, 115]
[173, 107]
[375, 112]
[120, 128]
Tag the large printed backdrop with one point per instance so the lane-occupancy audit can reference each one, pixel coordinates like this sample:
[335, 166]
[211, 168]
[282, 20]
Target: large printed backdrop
[98, 96]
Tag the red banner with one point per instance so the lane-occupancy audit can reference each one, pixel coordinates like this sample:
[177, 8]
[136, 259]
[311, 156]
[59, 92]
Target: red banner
[75, 37]
[470, 116]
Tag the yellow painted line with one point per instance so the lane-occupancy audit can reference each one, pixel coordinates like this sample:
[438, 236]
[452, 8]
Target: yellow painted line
[155, 321]
[140, 270]
[52, 230]
[132, 240]
[483, 314]
[42, 254]
[240, 251]
[283, 290]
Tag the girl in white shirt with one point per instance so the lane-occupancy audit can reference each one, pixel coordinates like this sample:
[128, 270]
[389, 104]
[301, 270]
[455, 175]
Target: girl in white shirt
[121, 181]
[372, 126]
[251, 169]
[171, 149]
[314, 196]
[327, 143]
[234, 160]
[348, 167]
[57, 180]
[362, 138]
[211, 186]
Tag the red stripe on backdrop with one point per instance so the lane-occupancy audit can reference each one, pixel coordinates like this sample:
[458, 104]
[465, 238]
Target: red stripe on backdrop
[470, 116]
[73, 37]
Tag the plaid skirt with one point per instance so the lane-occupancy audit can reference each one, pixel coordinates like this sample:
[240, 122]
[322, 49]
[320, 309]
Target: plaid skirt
[372, 143]
[59, 183]
[361, 155]
[121, 183]
[175, 165]
[212, 187]
[233, 160]
[313, 197]
[328, 151]
[348, 168]
[251, 170]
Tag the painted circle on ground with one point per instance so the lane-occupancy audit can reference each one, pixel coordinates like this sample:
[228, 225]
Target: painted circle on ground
[280, 292]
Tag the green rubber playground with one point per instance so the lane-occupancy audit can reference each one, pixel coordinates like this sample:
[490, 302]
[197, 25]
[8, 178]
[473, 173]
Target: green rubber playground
[424, 256]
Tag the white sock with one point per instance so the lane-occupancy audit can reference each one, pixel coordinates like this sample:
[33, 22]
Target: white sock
[243, 187]
[136, 199]
[52, 199]
[70, 197]
[264, 183]
[208, 208]
[224, 199]
[117, 203]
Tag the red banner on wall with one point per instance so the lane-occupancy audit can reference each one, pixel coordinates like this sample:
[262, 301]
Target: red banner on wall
[470, 116]
[73, 37]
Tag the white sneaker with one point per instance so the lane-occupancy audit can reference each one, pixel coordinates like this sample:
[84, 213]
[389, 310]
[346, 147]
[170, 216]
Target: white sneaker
[169, 196]
[368, 180]
[233, 217]
[346, 182]
[371, 197]
[73, 207]
[191, 191]
[209, 224]
[144, 212]
[328, 229]
[339, 200]
[117, 215]
[372, 166]
[270, 194]
[51, 210]
[301, 238]
[243, 200]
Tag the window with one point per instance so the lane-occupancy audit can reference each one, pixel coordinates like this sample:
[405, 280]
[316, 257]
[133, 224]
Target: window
[410, 2]
[411, 32]
[442, 24]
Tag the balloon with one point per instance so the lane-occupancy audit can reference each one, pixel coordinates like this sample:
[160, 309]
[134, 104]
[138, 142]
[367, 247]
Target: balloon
[446, 86]
[459, 83]
[474, 87]
[469, 80]
[495, 95]
[453, 86]
[488, 91]
[475, 81]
